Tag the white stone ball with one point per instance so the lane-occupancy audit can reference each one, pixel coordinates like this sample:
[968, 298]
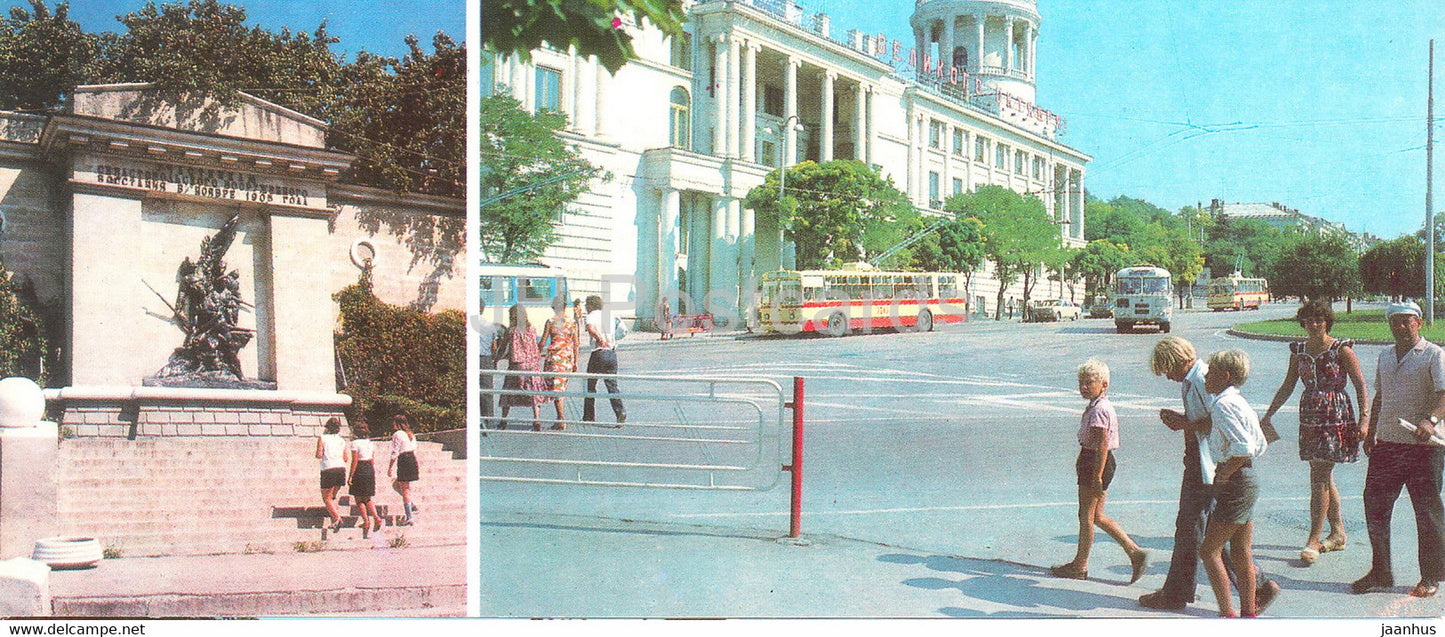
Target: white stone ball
[22, 403]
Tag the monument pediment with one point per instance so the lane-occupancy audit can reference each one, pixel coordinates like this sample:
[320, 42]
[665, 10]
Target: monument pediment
[249, 117]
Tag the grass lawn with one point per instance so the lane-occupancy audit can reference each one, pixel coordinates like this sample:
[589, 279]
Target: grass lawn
[1365, 325]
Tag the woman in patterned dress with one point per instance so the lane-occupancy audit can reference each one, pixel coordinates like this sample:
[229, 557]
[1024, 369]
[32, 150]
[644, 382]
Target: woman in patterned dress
[559, 347]
[522, 355]
[1329, 431]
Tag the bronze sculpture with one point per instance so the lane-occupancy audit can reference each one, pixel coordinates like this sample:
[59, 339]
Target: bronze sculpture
[207, 308]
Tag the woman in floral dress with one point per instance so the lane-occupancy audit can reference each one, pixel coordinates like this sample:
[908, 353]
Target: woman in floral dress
[522, 355]
[1329, 431]
[559, 347]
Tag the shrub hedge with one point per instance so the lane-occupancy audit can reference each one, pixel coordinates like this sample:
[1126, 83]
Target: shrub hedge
[401, 360]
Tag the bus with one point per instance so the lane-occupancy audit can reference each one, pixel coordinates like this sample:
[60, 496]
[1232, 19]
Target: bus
[531, 286]
[1237, 293]
[1141, 297]
[836, 302]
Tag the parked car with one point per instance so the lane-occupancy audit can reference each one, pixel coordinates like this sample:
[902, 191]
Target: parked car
[1103, 308]
[1055, 310]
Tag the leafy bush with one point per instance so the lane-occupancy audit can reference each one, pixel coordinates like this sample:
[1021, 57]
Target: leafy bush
[401, 360]
[22, 330]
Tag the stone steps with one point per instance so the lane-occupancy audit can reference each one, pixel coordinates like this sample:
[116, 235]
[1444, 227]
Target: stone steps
[190, 496]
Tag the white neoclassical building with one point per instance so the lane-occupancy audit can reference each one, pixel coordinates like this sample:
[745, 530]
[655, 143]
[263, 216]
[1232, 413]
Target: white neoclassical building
[699, 120]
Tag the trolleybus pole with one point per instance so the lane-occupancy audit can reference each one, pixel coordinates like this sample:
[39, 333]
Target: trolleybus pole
[796, 512]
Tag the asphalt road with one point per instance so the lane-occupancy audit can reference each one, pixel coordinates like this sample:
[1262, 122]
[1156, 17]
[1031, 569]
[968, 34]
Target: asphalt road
[952, 445]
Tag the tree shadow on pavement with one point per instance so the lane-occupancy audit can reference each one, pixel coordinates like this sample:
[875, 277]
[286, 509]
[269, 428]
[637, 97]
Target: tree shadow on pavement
[1010, 584]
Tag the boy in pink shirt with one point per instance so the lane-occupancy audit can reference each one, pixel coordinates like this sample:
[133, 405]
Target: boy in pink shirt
[1098, 438]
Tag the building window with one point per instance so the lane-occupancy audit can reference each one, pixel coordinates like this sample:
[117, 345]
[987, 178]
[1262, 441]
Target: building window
[773, 100]
[1018, 162]
[682, 50]
[933, 201]
[1000, 156]
[980, 148]
[935, 133]
[1038, 167]
[957, 186]
[549, 89]
[681, 119]
[958, 141]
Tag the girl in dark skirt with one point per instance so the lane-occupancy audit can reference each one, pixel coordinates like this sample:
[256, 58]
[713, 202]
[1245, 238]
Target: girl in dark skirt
[403, 467]
[363, 477]
[331, 451]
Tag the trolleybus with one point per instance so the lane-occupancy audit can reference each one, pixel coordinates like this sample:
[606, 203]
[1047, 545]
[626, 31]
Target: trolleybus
[1141, 297]
[836, 302]
[1237, 293]
[531, 286]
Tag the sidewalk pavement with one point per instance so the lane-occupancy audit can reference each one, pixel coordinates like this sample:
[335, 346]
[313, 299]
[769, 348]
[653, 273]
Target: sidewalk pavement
[397, 582]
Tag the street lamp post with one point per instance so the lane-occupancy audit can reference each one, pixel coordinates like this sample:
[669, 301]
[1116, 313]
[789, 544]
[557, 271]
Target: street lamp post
[791, 123]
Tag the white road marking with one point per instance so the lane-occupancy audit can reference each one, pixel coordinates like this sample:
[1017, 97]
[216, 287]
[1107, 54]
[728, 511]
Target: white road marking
[975, 507]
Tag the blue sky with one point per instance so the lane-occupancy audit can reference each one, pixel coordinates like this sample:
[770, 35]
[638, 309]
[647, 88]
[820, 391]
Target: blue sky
[378, 26]
[1316, 104]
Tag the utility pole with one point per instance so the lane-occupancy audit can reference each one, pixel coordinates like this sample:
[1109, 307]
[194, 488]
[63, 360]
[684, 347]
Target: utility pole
[1429, 192]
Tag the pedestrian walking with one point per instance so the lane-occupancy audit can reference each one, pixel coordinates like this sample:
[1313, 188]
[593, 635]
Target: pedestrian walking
[1098, 437]
[520, 349]
[331, 451]
[1175, 359]
[363, 476]
[602, 360]
[559, 348]
[403, 467]
[487, 332]
[1409, 386]
[664, 319]
[1235, 440]
[1329, 432]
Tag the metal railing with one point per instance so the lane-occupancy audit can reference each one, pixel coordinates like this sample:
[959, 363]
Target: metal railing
[680, 433]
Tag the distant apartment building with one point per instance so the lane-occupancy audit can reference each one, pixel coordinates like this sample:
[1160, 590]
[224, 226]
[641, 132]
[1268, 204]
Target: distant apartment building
[1282, 217]
[696, 123]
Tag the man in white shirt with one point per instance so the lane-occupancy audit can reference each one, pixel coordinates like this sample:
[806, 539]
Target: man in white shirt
[1409, 385]
[486, 348]
[1175, 358]
[603, 360]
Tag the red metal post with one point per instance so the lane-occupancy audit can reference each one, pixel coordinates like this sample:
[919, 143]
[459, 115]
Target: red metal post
[795, 528]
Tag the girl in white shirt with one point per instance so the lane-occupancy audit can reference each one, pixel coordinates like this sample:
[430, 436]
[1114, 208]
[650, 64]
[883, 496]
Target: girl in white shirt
[403, 467]
[363, 477]
[331, 451]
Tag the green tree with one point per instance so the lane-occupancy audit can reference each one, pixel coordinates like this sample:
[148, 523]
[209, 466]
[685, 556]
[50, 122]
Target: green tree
[955, 247]
[1018, 234]
[43, 54]
[835, 212]
[593, 26]
[1395, 268]
[528, 176]
[405, 120]
[1098, 261]
[1247, 245]
[1318, 266]
[23, 334]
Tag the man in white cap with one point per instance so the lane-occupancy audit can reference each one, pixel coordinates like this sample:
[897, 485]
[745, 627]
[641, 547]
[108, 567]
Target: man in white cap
[1410, 385]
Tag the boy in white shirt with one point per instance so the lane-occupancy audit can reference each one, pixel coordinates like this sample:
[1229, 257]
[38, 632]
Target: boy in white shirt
[1235, 439]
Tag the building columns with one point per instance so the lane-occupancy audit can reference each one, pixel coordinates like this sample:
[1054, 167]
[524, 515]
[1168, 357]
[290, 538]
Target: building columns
[1008, 25]
[750, 103]
[979, 21]
[860, 123]
[669, 208]
[945, 49]
[872, 136]
[790, 107]
[734, 95]
[1077, 222]
[586, 89]
[825, 152]
[601, 109]
[720, 103]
